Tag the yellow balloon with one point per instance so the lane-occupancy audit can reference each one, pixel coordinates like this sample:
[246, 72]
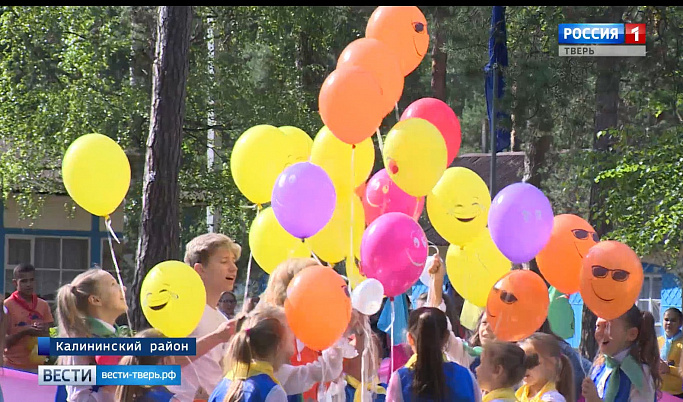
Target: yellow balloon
[475, 268]
[415, 156]
[173, 298]
[301, 143]
[331, 244]
[352, 273]
[334, 156]
[458, 205]
[271, 244]
[258, 157]
[96, 173]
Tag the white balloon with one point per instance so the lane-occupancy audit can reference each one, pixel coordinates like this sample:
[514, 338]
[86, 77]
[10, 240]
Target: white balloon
[367, 296]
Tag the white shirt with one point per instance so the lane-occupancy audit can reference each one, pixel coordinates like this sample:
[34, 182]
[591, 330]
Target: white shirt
[299, 379]
[206, 371]
[84, 393]
[648, 394]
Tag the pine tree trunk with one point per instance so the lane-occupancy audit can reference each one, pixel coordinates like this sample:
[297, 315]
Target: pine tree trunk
[606, 117]
[160, 228]
[439, 57]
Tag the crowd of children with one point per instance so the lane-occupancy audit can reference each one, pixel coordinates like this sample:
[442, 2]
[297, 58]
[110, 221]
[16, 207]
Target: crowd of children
[254, 356]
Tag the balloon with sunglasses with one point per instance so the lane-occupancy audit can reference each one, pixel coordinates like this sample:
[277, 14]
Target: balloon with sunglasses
[517, 305]
[560, 260]
[611, 279]
[171, 290]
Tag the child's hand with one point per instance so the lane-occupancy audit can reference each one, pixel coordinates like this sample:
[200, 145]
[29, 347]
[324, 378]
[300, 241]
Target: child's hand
[589, 391]
[226, 330]
[663, 367]
[437, 268]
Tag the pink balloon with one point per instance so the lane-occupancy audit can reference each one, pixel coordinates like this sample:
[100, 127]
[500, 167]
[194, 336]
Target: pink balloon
[393, 251]
[382, 195]
[443, 117]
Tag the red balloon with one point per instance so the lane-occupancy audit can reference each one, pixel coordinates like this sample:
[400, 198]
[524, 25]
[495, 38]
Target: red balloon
[443, 117]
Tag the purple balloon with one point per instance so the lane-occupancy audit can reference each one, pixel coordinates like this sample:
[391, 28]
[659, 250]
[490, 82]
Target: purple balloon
[303, 199]
[520, 221]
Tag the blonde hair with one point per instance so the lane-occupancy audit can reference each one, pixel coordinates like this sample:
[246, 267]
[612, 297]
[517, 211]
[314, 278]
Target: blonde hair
[130, 393]
[260, 338]
[360, 324]
[199, 249]
[72, 303]
[276, 291]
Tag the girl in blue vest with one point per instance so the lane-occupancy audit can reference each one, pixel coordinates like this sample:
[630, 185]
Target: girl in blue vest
[503, 366]
[627, 367]
[427, 376]
[262, 346]
[138, 393]
[88, 307]
[367, 346]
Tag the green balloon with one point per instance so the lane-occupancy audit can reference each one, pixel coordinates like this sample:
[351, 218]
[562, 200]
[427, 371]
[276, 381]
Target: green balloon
[560, 314]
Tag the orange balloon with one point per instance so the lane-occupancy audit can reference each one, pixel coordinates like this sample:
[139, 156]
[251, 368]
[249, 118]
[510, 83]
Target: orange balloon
[377, 58]
[611, 279]
[517, 305]
[350, 104]
[404, 29]
[560, 260]
[318, 306]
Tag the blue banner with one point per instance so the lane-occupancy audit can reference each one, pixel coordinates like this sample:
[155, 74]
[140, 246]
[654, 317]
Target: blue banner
[117, 346]
[590, 34]
[109, 375]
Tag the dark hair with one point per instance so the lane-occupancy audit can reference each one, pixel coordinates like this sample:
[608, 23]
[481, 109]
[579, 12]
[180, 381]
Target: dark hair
[429, 329]
[451, 312]
[511, 358]
[259, 339]
[227, 292]
[645, 348]
[547, 345]
[131, 393]
[23, 269]
[675, 311]
[475, 340]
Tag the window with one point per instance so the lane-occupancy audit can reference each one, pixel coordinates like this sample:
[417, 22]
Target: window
[57, 260]
[650, 298]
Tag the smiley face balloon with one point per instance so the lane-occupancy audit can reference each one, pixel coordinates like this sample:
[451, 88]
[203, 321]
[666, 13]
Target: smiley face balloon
[560, 260]
[458, 206]
[173, 298]
[404, 30]
[517, 305]
[611, 279]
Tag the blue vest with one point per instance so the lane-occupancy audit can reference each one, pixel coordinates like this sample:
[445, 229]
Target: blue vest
[351, 393]
[254, 389]
[295, 398]
[624, 382]
[459, 385]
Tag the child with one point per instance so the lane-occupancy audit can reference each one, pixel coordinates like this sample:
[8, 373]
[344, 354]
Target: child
[254, 354]
[671, 346]
[88, 307]
[213, 256]
[628, 353]
[307, 368]
[366, 345]
[552, 380]
[138, 393]
[427, 376]
[503, 366]
[28, 317]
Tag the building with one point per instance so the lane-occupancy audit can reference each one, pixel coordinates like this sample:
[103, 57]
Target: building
[60, 243]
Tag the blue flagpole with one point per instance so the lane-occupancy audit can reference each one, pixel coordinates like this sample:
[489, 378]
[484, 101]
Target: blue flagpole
[492, 178]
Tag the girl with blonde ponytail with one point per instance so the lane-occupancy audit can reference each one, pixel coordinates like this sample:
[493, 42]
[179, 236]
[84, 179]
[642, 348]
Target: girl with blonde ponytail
[88, 307]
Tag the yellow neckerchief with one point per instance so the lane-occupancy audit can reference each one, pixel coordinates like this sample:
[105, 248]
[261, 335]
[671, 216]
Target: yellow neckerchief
[243, 371]
[522, 393]
[506, 394]
[355, 384]
[413, 360]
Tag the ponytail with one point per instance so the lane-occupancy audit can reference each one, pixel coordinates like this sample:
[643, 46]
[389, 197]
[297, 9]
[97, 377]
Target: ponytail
[565, 383]
[428, 327]
[260, 338]
[72, 303]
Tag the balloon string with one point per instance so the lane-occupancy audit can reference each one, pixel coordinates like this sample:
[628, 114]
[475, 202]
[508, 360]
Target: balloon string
[380, 143]
[398, 115]
[110, 232]
[246, 283]
[393, 317]
[315, 257]
[351, 248]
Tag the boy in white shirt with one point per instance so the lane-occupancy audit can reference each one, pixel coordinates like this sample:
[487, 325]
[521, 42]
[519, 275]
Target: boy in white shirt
[213, 256]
